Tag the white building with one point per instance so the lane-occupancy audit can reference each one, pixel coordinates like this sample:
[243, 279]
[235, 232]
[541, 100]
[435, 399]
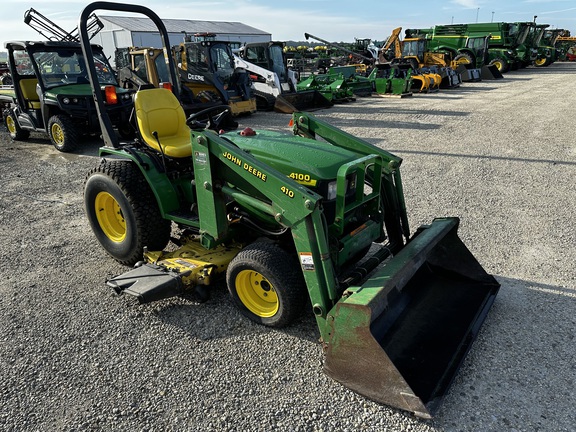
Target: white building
[120, 32]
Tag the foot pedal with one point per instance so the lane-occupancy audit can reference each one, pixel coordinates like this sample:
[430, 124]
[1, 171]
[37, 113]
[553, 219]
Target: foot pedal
[148, 283]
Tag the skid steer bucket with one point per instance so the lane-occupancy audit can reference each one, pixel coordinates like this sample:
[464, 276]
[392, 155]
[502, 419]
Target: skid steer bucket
[491, 72]
[308, 100]
[469, 73]
[400, 337]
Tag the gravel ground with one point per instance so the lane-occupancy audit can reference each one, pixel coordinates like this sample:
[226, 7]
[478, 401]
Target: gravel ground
[500, 155]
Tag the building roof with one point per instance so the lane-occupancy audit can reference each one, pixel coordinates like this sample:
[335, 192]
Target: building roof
[137, 24]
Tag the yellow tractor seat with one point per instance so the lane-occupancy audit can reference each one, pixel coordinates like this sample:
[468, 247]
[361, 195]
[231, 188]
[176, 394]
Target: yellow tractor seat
[158, 110]
[28, 87]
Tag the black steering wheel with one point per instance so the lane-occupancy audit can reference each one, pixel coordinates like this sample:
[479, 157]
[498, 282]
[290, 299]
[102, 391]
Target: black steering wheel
[214, 113]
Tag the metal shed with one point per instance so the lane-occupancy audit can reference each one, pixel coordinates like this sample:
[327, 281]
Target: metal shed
[120, 32]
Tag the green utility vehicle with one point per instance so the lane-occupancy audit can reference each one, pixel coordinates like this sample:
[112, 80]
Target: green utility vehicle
[285, 219]
[50, 93]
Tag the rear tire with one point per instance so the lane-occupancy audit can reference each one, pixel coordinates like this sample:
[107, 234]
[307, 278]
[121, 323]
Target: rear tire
[14, 129]
[267, 284]
[123, 212]
[464, 58]
[63, 133]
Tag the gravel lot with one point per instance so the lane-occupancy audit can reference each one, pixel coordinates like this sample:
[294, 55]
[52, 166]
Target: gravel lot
[501, 155]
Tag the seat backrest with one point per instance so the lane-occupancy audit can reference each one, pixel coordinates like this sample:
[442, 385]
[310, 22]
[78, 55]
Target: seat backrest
[28, 88]
[158, 110]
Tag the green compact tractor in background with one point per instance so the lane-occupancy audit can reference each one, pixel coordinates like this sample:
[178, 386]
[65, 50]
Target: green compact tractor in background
[286, 219]
[50, 91]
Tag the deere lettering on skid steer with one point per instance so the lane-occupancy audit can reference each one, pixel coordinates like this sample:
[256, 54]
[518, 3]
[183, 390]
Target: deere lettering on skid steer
[281, 236]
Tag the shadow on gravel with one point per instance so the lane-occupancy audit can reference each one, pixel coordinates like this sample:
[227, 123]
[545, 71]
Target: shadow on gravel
[385, 110]
[508, 77]
[520, 372]
[468, 89]
[379, 124]
[476, 156]
[556, 71]
[218, 318]
[42, 146]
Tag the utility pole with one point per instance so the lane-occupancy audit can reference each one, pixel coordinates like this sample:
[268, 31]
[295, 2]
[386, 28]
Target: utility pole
[492, 20]
[477, 12]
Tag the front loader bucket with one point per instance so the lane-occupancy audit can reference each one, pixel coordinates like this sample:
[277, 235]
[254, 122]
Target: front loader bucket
[400, 337]
[308, 100]
[491, 72]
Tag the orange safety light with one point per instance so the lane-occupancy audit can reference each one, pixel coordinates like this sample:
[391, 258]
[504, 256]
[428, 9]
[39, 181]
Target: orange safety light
[111, 96]
[166, 85]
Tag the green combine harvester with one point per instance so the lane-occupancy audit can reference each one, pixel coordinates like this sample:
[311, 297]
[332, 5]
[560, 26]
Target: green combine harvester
[316, 215]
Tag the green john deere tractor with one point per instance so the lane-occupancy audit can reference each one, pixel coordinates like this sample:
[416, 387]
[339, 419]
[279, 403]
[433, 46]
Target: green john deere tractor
[285, 219]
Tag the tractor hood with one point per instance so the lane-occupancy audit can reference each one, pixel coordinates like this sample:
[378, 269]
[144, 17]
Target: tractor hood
[305, 160]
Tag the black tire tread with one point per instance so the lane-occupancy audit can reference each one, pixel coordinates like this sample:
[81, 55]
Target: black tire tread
[152, 230]
[71, 133]
[272, 262]
[19, 134]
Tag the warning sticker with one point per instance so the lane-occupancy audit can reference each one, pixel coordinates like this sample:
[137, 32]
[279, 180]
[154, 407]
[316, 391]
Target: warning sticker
[307, 261]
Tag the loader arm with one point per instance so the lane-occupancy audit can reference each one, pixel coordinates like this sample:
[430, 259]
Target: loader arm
[224, 170]
[393, 40]
[394, 206]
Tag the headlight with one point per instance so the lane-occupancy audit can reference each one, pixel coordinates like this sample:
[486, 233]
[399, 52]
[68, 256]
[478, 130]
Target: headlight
[66, 100]
[332, 187]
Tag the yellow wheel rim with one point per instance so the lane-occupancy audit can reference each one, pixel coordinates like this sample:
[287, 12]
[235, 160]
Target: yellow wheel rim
[462, 60]
[10, 124]
[57, 134]
[498, 65]
[257, 293]
[540, 62]
[110, 217]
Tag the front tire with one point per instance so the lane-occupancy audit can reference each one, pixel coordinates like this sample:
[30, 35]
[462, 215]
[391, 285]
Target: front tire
[123, 212]
[267, 284]
[63, 133]
[501, 64]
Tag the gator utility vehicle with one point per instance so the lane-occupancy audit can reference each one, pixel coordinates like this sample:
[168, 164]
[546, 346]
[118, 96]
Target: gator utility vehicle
[275, 86]
[285, 219]
[50, 91]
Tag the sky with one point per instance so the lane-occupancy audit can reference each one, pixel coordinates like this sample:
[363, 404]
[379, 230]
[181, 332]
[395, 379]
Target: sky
[332, 20]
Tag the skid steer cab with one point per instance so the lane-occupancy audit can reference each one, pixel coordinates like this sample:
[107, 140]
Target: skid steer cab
[282, 236]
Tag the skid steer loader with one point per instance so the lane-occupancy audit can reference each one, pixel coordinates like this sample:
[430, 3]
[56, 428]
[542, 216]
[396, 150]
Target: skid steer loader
[275, 84]
[285, 219]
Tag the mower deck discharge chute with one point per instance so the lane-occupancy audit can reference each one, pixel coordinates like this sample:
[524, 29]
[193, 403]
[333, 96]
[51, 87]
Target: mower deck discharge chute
[285, 219]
